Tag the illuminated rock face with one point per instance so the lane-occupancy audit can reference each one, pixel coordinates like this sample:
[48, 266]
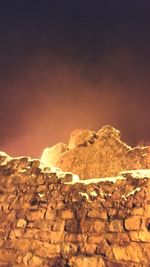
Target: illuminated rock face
[52, 155]
[47, 222]
[102, 154]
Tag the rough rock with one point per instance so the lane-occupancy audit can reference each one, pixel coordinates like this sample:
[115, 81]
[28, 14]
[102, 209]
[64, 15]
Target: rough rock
[102, 154]
[81, 137]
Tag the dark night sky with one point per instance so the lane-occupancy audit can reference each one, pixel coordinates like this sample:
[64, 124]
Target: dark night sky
[72, 64]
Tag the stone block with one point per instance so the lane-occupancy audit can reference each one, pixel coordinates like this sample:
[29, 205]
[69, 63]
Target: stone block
[104, 249]
[112, 212]
[87, 249]
[58, 225]
[19, 244]
[35, 215]
[50, 214]
[35, 244]
[92, 226]
[71, 226]
[21, 223]
[133, 223]
[137, 211]
[67, 214]
[121, 239]
[83, 261]
[97, 214]
[75, 238]
[134, 236]
[36, 261]
[130, 253]
[116, 226]
[95, 239]
[27, 258]
[30, 233]
[141, 236]
[68, 249]
[47, 250]
[51, 237]
[16, 233]
[6, 256]
[146, 254]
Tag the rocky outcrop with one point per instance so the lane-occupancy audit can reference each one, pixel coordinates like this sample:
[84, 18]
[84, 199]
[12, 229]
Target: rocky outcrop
[101, 154]
[46, 220]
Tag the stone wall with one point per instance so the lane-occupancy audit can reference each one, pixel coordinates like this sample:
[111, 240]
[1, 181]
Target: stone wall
[46, 221]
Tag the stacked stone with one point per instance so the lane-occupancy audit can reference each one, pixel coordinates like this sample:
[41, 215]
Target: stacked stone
[45, 221]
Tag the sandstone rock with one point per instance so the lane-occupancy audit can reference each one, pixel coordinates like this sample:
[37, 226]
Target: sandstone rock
[19, 259]
[71, 226]
[121, 239]
[58, 225]
[18, 243]
[108, 131]
[132, 252]
[87, 249]
[27, 258]
[36, 261]
[104, 249]
[67, 214]
[138, 211]
[75, 238]
[51, 155]
[81, 137]
[69, 249]
[21, 223]
[133, 223]
[36, 215]
[95, 239]
[86, 261]
[16, 233]
[92, 226]
[6, 257]
[143, 236]
[50, 214]
[47, 250]
[50, 236]
[116, 226]
[97, 214]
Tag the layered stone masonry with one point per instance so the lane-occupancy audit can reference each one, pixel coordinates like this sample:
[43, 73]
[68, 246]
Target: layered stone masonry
[50, 221]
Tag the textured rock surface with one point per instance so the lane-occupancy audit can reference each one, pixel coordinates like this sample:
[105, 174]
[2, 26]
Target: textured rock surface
[102, 154]
[81, 137]
[46, 222]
